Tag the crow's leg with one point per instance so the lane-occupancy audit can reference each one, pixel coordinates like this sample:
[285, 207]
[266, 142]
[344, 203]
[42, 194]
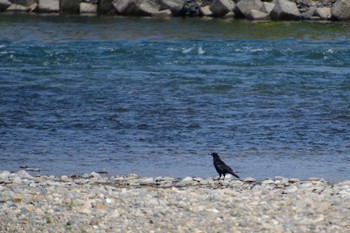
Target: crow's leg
[224, 177]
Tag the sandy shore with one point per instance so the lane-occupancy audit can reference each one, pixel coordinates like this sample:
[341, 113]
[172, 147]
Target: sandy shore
[91, 203]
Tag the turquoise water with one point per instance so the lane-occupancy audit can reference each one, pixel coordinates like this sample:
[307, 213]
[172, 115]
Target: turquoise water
[155, 96]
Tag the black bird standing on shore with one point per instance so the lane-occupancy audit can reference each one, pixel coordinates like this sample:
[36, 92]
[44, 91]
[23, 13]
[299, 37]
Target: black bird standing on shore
[221, 167]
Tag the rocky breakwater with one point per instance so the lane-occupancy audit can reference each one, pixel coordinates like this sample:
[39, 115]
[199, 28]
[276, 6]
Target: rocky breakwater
[248, 9]
[92, 203]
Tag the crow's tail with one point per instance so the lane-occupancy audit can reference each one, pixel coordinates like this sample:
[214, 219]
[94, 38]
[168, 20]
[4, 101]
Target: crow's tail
[235, 175]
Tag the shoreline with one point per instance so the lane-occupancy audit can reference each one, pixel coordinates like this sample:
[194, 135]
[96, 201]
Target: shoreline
[94, 203]
[332, 10]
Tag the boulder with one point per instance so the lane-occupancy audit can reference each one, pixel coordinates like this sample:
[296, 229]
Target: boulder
[309, 14]
[191, 9]
[206, 11]
[147, 8]
[267, 7]
[220, 8]
[70, 6]
[324, 12]
[4, 4]
[48, 6]
[285, 10]
[244, 7]
[125, 7]
[105, 7]
[87, 8]
[16, 7]
[341, 10]
[175, 6]
[258, 15]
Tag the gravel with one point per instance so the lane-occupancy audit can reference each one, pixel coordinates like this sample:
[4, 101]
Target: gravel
[95, 203]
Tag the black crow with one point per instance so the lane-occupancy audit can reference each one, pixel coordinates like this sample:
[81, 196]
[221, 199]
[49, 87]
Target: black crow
[221, 167]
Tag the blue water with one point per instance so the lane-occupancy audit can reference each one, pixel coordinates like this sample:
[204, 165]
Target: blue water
[155, 96]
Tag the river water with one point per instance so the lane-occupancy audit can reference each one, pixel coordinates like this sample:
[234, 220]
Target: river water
[155, 96]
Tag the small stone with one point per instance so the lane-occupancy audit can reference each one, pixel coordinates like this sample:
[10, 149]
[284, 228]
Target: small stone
[147, 181]
[95, 175]
[103, 171]
[132, 176]
[249, 180]
[100, 206]
[291, 189]
[313, 179]
[94, 222]
[267, 182]
[64, 178]
[4, 175]
[16, 180]
[187, 179]
[17, 198]
[293, 180]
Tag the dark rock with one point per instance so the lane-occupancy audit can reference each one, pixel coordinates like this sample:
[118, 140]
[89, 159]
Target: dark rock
[181, 7]
[70, 6]
[23, 2]
[285, 10]
[220, 8]
[105, 7]
[191, 9]
[91, 1]
[4, 4]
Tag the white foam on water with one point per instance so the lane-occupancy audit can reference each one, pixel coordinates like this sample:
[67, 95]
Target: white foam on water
[187, 50]
[200, 50]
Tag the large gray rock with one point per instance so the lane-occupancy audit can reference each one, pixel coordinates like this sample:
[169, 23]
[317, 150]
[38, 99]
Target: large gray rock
[87, 8]
[125, 7]
[285, 10]
[244, 7]
[4, 4]
[49, 6]
[175, 6]
[206, 11]
[70, 6]
[324, 12]
[341, 10]
[147, 7]
[220, 8]
[267, 7]
[22, 8]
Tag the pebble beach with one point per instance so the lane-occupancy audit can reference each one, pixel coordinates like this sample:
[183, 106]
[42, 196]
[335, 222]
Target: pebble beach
[100, 203]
